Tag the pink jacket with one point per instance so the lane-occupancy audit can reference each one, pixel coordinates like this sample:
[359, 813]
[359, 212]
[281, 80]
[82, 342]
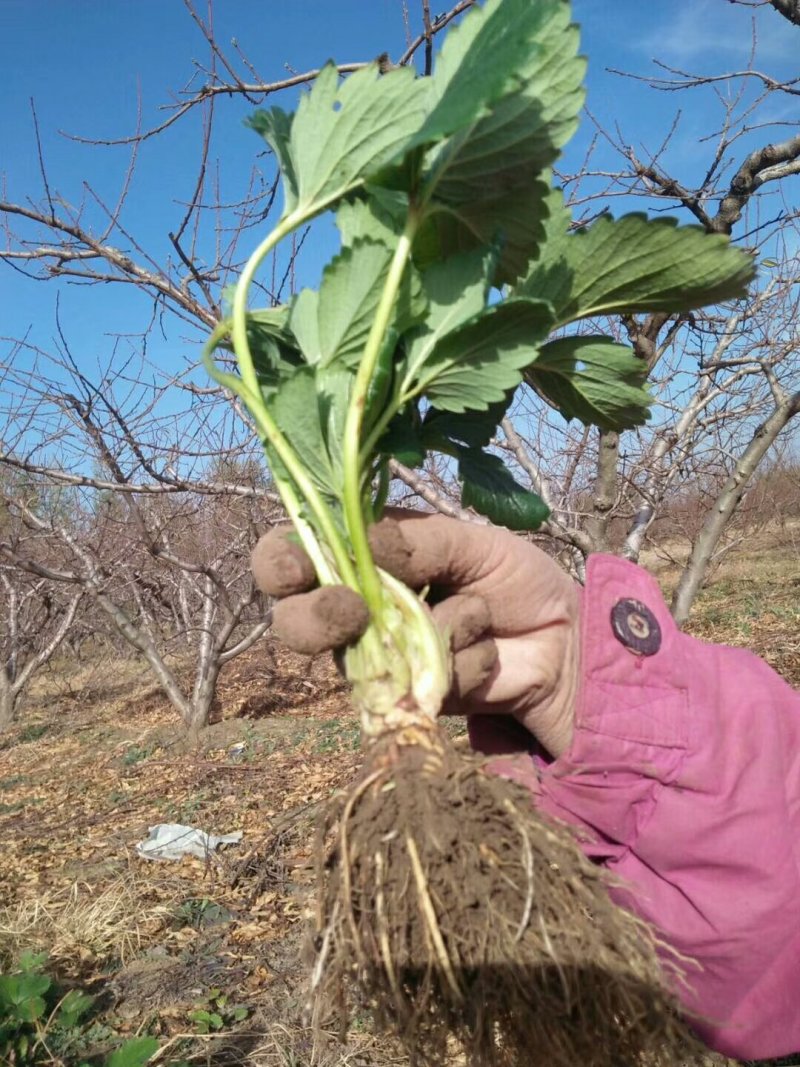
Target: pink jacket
[685, 769]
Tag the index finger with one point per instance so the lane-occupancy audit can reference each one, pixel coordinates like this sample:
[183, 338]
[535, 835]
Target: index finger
[280, 565]
[426, 549]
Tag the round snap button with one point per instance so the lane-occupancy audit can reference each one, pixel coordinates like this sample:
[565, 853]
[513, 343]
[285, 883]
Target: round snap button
[636, 627]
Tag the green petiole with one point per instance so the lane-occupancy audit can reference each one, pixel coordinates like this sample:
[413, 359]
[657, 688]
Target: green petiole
[352, 456]
[250, 393]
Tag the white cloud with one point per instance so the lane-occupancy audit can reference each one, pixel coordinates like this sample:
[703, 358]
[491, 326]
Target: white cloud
[707, 35]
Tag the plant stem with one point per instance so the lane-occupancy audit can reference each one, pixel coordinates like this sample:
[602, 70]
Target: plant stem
[382, 492]
[325, 573]
[370, 583]
[291, 500]
[239, 324]
[251, 395]
[377, 431]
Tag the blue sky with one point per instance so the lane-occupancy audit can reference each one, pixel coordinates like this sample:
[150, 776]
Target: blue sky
[85, 62]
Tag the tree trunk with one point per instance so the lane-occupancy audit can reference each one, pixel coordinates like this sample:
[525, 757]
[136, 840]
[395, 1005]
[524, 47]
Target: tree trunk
[605, 490]
[203, 696]
[727, 502]
[144, 644]
[9, 702]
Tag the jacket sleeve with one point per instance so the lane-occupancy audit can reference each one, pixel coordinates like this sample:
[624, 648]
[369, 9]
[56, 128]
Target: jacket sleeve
[685, 772]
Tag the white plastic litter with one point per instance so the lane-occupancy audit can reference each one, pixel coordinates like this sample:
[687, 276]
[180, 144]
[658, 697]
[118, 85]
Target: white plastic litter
[171, 841]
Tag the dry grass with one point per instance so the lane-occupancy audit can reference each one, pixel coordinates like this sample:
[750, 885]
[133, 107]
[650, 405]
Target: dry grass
[752, 600]
[83, 926]
[282, 1044]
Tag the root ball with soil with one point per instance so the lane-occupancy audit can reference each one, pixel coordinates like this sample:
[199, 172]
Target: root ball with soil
[450, 910]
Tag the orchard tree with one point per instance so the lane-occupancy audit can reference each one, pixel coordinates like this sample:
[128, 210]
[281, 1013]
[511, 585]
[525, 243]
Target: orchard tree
[159, 534]
[36, 613]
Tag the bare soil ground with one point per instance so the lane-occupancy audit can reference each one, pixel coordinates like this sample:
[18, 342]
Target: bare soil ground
[99, 757]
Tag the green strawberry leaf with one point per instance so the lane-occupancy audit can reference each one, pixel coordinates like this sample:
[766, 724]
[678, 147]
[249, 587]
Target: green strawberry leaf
[483, 59]
[489, 487]
[633, 264]
[402, 439]
[296, 410]
[73, 1006]
[480, 362]
[16, 989]
[30, 1009]
[134, 1053]
[441, 430]
[409, 439]
[31, 961]
[525, 130]
[342, 133]
[333, 386]
[377, 216]
[275, 126]
[304, 324]
[270, 322]
[593, 379]
[274, 349]
[456, 290]
[272, 345]
[351, 289]
[513, 222]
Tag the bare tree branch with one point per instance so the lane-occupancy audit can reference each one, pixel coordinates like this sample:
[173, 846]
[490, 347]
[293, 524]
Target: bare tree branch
[425, 492]
[166, 485]
[790, 9]
[88, 248]
[256, 93]
[770, 163]
[29, 636]
[684, 80]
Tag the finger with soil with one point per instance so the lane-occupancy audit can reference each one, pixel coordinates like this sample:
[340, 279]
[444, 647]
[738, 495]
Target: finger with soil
[279, 564]
[321, 620]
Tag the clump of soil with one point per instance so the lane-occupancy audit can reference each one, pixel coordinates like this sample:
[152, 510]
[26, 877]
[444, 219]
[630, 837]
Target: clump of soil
[451, 911]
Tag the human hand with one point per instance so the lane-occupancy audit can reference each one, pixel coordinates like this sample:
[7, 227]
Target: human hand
[512, 613]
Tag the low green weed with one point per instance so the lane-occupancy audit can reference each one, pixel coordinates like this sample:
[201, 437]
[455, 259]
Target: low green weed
[215, 1013]
[41, 1024]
